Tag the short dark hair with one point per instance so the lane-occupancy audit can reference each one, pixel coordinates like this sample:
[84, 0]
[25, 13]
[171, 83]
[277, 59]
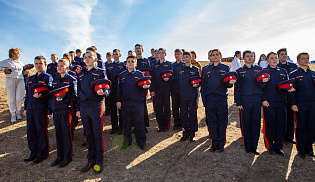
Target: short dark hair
[178, 50]
[132, 56]
[71, 52]
[116, 50]
[300, 54]
[280, 50]
[139, 45]
[109, 54]
[41, 58]
[162, 49]
[78, 51]
[152, 49]
[91, 49]
[245, 52]
[268, 55]
[237, 52]
[187, 53]
[218, 50]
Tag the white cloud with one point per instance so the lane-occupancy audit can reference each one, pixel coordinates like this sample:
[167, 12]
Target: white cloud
[261, 26]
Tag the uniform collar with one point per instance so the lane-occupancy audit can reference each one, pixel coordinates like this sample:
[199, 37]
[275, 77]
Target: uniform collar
[117, 62]
[131, 72]
[272, 69]
[163, 61]
[66, 75]
[218, 66]
[302, 70]
[247, 67]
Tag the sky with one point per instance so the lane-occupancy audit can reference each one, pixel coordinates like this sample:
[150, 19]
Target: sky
[43, 27]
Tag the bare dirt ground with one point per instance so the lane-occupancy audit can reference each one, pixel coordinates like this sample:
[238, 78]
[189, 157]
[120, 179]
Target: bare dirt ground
[165, 159]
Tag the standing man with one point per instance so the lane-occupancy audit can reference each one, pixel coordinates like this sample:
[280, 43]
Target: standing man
[236, 61]
[289, 67]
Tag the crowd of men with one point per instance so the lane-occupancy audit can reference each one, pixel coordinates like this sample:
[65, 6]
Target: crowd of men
[75, 86]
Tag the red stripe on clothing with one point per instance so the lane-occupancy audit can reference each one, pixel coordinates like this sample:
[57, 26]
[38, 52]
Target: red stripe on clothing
[295, 129]
[241, 124]
[264, 129]
[101, 108]
[70, 128]
[47, 121]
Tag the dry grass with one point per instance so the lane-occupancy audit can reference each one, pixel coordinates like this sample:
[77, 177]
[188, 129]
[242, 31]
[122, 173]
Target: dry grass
[165, 159]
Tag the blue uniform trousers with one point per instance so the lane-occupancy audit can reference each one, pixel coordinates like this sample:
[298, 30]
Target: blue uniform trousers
[92, 119]
[176, 107]
[305, 128]
[132, 114]
[74, 120]
[116, 121]
[250, 120]
[37, 133]
[162, 109]
[275, 127]
[145, 112]
[217, 114]
[63, 127]
[188, 117]
[290, 124]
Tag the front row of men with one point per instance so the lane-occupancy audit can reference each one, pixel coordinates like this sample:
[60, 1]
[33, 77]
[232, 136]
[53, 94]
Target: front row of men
[253, 87]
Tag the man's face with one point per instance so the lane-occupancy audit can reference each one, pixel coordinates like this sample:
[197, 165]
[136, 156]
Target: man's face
[89, 59]
[71, 56]
[138, 50]
[78, 54]
[62, 67]
[109, 58]
[40, 65]
[186, 58]
[178, 55]
[162, 54]
[303, 61]
[283, 56]
[248, 58]
[273, 60]
[193, 57]
[116, 56]
[156, 55]
[53, 58]
[216, 56]
[131, 63]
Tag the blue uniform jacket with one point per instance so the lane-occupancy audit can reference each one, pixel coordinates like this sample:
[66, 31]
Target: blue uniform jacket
[303, 84]
[31, 104]
[113, 69]
[276, 97]
[246, 86]
[63, 106]
[212, 84]
[157, 81]
[78, 61]
[127, 89]
[52, 68]
[87, 96]
[142, 63]
[288, 67]
[100, 64]
[187, 91]
[175, 67]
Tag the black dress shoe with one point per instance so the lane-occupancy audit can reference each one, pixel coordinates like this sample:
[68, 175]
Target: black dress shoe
[106, 112]
[142, 147]
[30, 158]
[165, 130]
[311, 154]
[146, 130]
[280, 152]
[87, 167]
[83, 144]
[291, 141]
[180, 128]
[113, 131]
[192, 139]
[65, 162]
[175, 127]
[125, 146]
[301, 154]
[159, 130]
[256, 152]
[184, 138]
[119, 132]
[271, 152]
[37, 161]
[98, 168]
[248, 150]
[213, 148]
[56, 162]
[220, 148]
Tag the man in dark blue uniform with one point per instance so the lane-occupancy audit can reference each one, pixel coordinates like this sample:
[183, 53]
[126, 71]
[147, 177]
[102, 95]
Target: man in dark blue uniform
[289, 67]
[130, 98]
[90, 111]
[303, 105]
[275, 107]
[248, 95]
[52, 67]
[175, 90]
[113, 70]
[160, 88]
[143, 63]
[214, 96]
[188, 97]
[63, 95]
[35, 109]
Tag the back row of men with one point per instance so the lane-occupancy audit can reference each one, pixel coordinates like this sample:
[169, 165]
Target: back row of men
[126, 86]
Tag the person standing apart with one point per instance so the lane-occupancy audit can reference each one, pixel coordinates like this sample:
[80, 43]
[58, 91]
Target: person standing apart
[236, 61]
[13, 68]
